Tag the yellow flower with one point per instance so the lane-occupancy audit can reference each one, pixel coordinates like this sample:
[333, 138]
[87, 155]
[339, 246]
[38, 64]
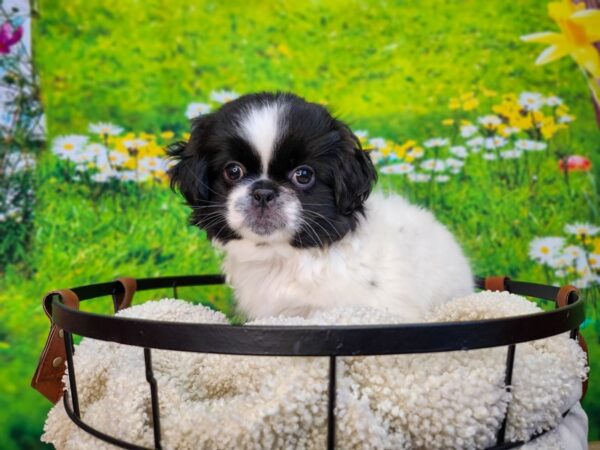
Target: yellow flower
[147, 136]
[562, 110]
[548, 127]
[470, 104]
[579, 27]
[488, 92]
[596, 245]
[167, 135]
[129, 164]
[186, 136]
[454, 103]
[448, 122]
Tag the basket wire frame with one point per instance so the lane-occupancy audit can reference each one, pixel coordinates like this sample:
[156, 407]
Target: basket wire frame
[71, 401]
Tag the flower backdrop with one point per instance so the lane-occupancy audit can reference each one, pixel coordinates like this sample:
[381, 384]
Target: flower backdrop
[447, 99]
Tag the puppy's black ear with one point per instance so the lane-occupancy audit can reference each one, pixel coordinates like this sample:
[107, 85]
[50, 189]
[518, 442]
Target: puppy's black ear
[356, 174]
[189, 174]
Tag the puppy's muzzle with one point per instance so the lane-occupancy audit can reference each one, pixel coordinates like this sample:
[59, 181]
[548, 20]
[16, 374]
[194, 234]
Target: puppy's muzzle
[264, 194]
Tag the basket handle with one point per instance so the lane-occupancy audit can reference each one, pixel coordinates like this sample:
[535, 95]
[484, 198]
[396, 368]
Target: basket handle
[47, 378]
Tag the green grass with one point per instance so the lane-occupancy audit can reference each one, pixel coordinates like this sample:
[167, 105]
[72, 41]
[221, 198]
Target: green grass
[389, 67]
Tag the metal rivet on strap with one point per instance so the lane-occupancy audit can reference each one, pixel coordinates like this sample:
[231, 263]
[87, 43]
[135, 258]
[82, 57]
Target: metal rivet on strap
[61, 333]
[56, 362]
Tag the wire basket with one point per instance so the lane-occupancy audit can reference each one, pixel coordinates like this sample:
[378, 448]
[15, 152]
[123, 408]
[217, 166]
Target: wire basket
[62, 307]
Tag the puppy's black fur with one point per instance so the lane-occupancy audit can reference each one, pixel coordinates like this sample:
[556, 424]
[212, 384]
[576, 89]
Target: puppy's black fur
[310, 135]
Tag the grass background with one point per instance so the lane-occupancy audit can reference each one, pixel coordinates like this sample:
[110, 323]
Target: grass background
[388, 67]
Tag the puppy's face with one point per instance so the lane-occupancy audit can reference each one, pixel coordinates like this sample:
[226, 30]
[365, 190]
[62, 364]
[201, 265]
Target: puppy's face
[272, 168]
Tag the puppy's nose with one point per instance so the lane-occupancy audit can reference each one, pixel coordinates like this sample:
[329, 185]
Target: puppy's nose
[263, 197]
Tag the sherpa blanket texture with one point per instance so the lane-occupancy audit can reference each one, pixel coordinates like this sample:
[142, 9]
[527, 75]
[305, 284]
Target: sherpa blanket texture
[427, 401]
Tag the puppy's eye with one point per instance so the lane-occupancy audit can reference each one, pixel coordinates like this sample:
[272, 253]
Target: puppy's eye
[303, 176]
[233, 172]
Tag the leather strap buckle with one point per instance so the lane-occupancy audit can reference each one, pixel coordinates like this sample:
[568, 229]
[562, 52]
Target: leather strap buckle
[47, 378]
[122, 300]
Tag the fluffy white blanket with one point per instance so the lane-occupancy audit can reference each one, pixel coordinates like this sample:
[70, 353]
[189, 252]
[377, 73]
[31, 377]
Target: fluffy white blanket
[426, 401]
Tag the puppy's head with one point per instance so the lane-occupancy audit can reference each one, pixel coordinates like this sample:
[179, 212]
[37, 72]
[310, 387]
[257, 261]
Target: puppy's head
[272, 168]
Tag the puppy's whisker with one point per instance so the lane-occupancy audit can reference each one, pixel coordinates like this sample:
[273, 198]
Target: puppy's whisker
[310, 228]
[326, 220]
[197, 178]
[211, 222]
[322, 227]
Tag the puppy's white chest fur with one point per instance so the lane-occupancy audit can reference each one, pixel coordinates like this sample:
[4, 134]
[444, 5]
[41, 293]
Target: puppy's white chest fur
[399, 259]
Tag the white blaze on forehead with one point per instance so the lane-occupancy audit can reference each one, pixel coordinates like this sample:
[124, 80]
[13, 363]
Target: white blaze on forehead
[260, 126]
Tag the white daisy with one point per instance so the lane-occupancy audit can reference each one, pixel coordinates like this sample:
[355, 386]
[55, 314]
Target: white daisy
[572, 252]
[566, 118]
[117, 158]
[419, 177]
[95, 149]
[490, 121]
[223, 96]
[104, 176]
[378, 143]
[475, 142]
[454, 163]
[376, 156]
[196, 109]
[545, 249]
[402, 168]
[361, 134]
[454, 170]
[436, 142]
[531, 101]
[105, 129]
[435, 165]
[459, 151]
[594, 260]
[510, 130]
[143, 175]
[134, 144]
[560, 261]
[511, 154]
[67, 147]
[489, 156]
[152, 164]
[416, 152]
[493, 143]
[530, 146]
[553, 100]
[582, 229]
[587, 280]
[127, 175]
[442, 178]
[468, 130]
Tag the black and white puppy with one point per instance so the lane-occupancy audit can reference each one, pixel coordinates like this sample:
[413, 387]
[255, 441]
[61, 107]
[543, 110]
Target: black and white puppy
[283, 188]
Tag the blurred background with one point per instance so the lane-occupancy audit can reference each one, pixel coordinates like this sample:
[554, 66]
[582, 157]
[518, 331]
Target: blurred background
[447, 95]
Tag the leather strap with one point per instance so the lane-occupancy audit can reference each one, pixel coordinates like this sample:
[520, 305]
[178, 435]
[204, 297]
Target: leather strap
[123, 299]
[497, 283]
[52, 364]
[564, 294]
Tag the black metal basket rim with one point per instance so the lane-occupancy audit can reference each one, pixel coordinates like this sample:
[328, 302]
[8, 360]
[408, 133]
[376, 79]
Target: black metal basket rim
[335, 340]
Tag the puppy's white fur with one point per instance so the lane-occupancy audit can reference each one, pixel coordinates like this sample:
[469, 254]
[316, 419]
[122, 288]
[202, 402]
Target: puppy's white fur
[261, 126]
[399, 259]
